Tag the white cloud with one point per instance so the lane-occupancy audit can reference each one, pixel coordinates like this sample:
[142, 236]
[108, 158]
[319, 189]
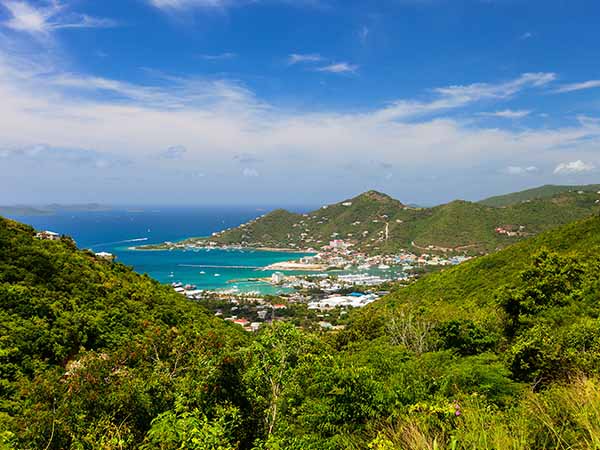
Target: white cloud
[508, 114]
[342, 67]
[459, 96]
[578, 86]
[42, 21]
[183, 5]
[573, 167]
[46, 154]
[175, 152]
[518, 170]
[296, 58]
[219, 57]
[220, 122]
[248, 172]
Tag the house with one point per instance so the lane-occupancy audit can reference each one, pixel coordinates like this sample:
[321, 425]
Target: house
[105, 255]
[48, 235]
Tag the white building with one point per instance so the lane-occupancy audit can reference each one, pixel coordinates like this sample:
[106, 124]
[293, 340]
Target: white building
[277, 278]
[48, 235]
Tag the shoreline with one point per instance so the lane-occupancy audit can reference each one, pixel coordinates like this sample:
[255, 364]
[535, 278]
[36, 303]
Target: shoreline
[151, 247]
[294, 265]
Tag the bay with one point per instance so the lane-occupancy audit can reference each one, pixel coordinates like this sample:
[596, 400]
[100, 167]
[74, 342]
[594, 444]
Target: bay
[116, 231]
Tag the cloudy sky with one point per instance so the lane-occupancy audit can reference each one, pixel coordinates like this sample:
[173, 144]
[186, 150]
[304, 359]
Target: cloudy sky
[295, 101]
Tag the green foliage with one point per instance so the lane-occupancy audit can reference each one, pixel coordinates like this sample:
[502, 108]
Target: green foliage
[465, 336]
[456, 227]
[502, 352]
[546, 191]
[193, 430]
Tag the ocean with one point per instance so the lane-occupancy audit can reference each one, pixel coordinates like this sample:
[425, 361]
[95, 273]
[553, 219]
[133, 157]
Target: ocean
[116, 231]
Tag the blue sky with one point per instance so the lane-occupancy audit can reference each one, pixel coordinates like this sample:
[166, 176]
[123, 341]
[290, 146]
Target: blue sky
[295, 101]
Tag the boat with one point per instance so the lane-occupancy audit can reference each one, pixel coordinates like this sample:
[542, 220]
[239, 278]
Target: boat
[217, 274]
[202, 272]
[383, 266]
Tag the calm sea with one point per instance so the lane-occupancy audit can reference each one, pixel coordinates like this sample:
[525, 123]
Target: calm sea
[117, 230]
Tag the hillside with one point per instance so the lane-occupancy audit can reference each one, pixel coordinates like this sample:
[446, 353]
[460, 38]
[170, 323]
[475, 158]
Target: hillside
[546, 191]
[525, 316]
[499, 352]
[90, 349]
[374, 222]
[468, 290]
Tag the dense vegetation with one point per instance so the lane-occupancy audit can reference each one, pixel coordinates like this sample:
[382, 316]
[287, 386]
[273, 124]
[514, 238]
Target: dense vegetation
[458, 226]
[546, 191]
[502, 352]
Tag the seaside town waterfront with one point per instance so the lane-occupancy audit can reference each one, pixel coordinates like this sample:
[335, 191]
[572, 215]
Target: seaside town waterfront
[320, 288]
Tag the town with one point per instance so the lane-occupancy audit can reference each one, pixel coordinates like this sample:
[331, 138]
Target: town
[319, 289]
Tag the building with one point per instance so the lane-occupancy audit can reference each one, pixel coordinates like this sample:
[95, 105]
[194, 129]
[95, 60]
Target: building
[277, 278]
[48, 235]
[106, 255]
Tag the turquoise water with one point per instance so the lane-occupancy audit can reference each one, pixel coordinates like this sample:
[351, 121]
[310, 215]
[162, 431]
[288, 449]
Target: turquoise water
[117, 231]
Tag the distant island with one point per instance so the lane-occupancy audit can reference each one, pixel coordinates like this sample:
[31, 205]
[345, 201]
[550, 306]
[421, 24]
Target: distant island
[48, 210]
[376, 223]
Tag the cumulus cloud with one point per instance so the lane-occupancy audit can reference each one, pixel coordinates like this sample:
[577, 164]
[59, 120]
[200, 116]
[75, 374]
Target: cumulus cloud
[342, 67]
[42, 20]
[217, 120]
[175, 152]
[591, 84]
[573, 167]
[518, 170]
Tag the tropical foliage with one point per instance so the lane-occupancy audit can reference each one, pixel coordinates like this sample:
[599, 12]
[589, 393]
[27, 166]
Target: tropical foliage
[502, 352]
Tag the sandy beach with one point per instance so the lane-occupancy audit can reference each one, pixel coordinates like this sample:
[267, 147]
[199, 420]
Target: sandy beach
[295, 265]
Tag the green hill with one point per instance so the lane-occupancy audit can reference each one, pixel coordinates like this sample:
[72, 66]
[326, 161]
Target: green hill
[527, 315]
[90, 350]
[500, 352]
[546, 191]
[376, 223]
[468, 290]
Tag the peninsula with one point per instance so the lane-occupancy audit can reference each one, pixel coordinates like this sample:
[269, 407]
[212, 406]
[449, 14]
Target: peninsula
[375, 223]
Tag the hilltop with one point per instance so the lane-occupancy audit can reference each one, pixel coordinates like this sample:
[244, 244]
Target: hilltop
[376, 223]
[545, 191]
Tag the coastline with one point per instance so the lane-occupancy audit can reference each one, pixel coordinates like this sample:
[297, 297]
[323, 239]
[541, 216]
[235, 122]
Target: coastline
[178, 246]
[295, 265]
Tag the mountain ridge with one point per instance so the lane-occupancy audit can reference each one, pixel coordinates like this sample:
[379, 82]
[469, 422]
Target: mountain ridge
[374, 222]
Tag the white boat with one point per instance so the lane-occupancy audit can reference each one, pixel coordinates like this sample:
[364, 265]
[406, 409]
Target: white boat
[217, 274]
[364, 267]
[383, 266]
[202, 272]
